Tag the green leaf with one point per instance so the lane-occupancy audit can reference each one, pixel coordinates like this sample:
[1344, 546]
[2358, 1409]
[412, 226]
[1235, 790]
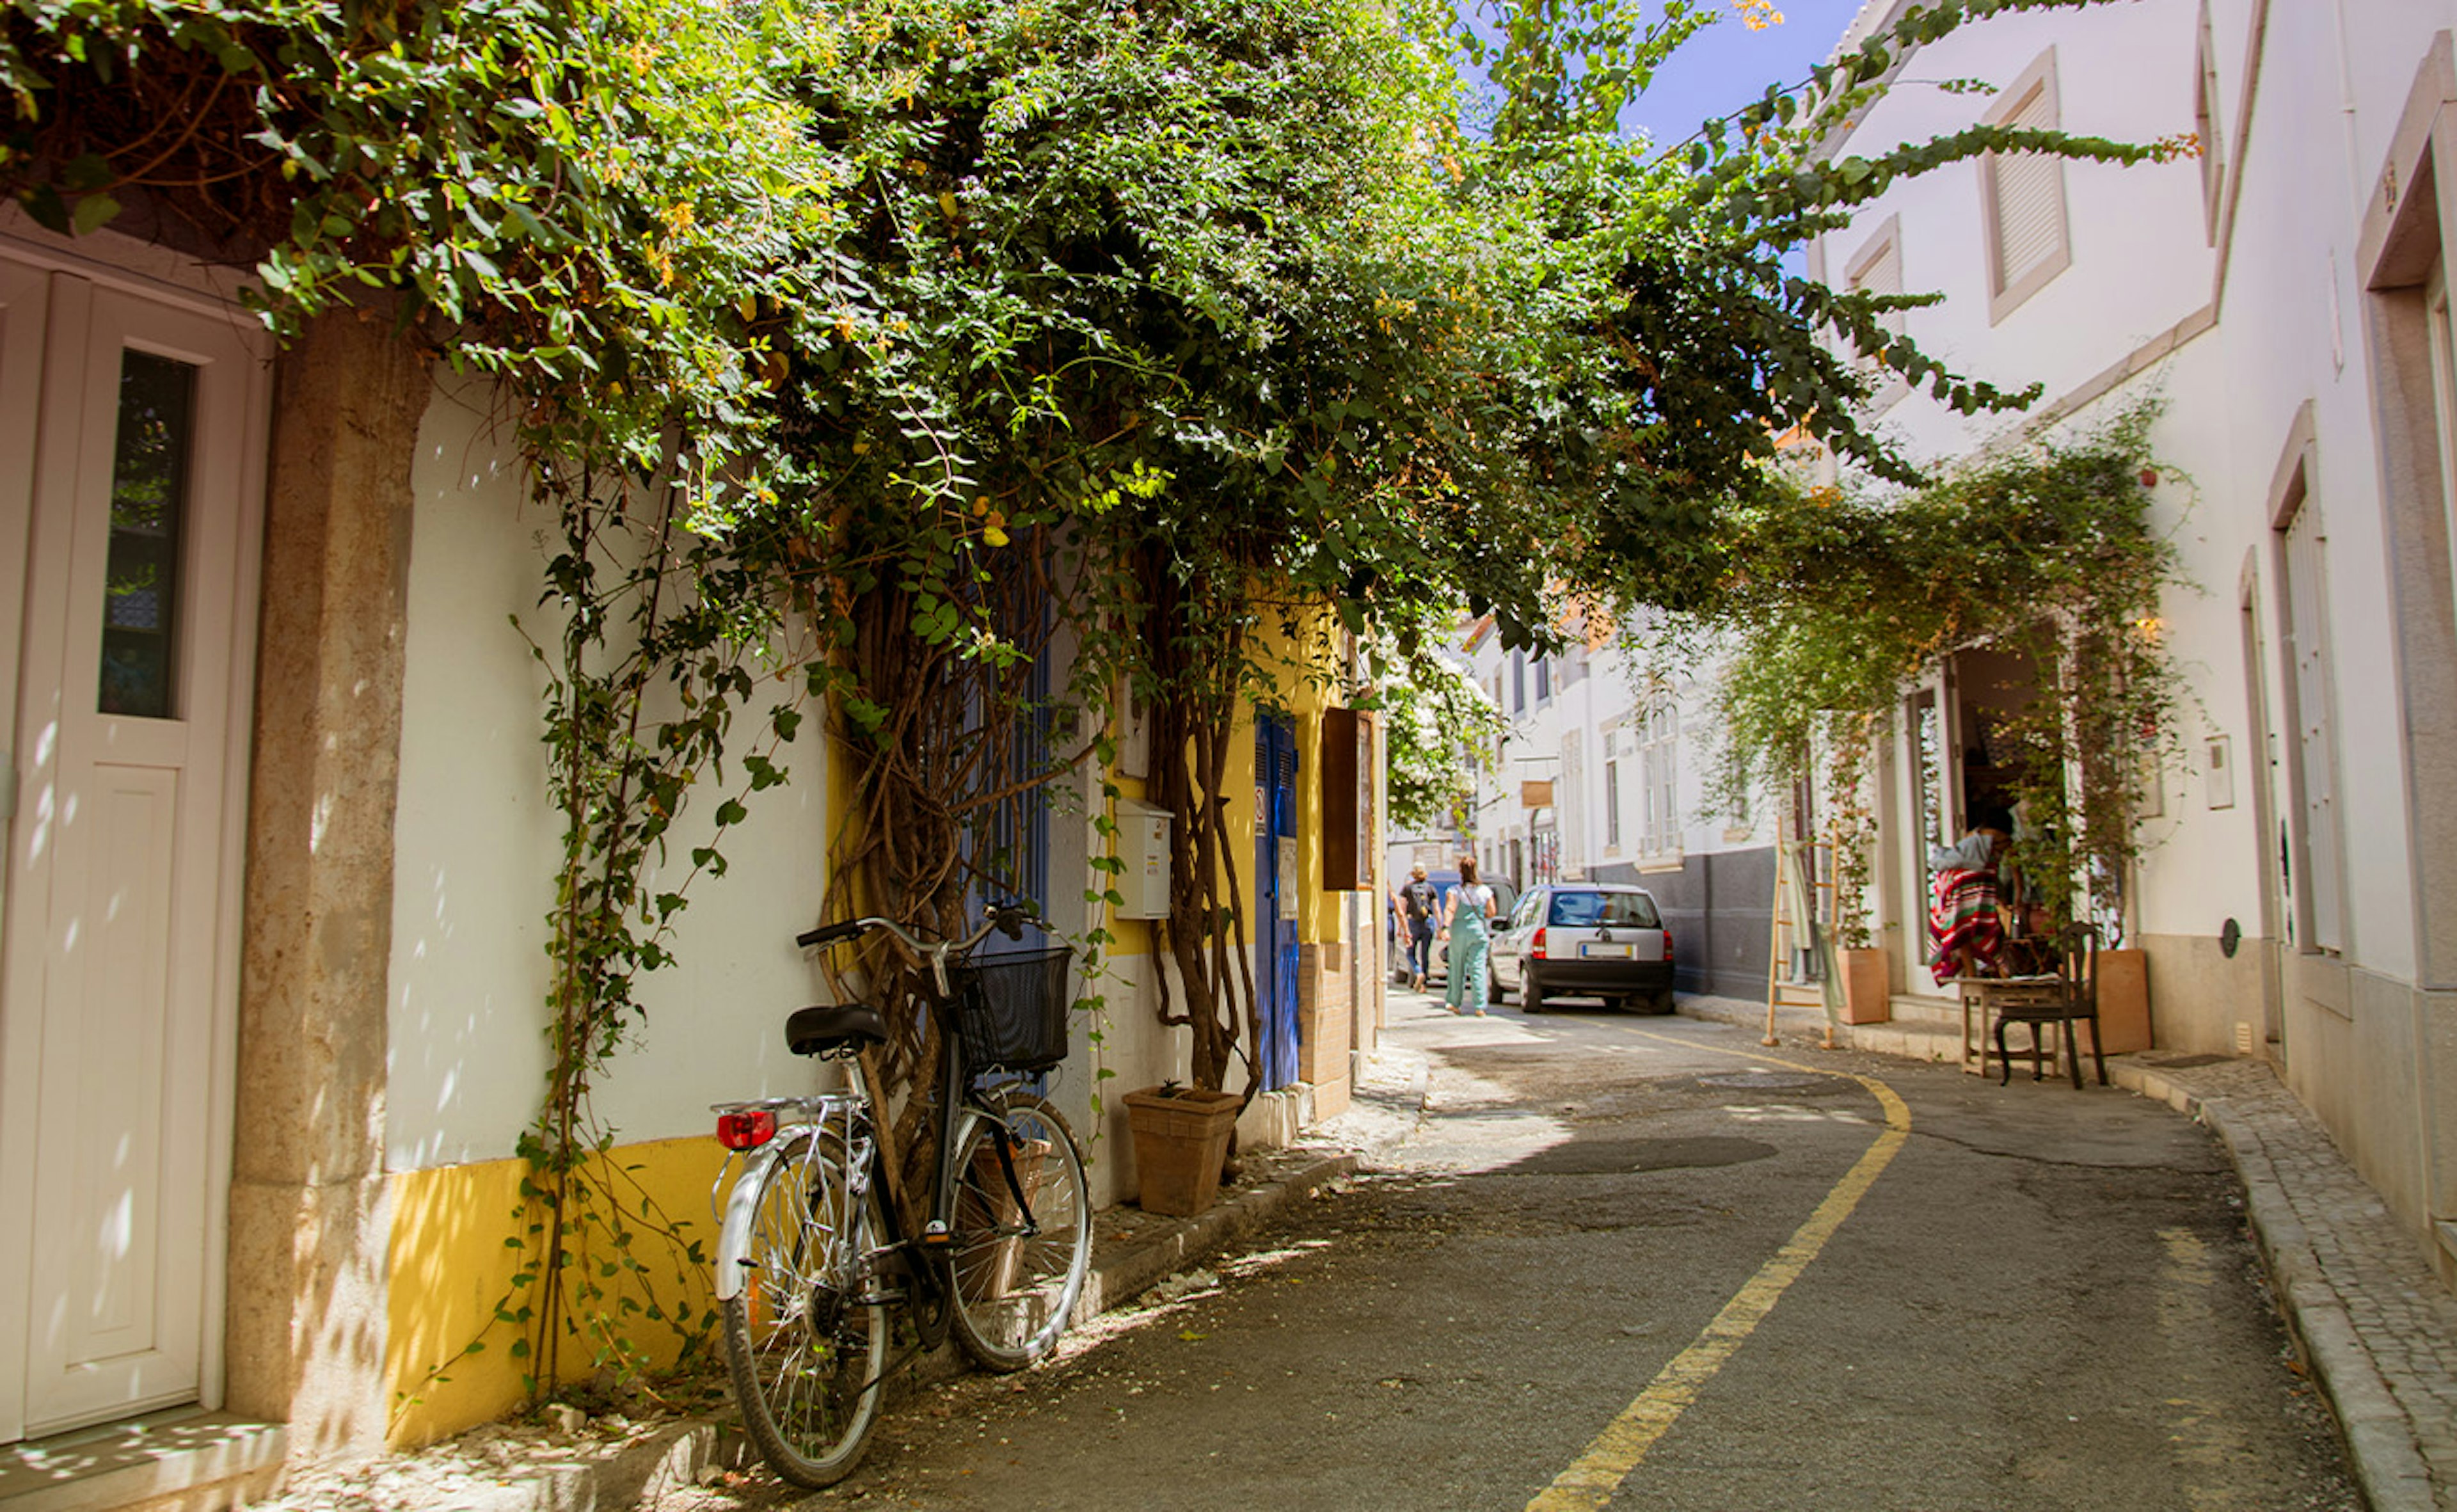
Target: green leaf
[92, 212]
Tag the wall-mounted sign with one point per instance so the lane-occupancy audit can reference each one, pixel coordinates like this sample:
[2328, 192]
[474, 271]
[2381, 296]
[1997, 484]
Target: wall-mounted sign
[1535, 795]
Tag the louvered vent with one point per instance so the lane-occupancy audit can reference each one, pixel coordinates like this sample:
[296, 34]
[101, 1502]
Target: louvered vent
[1881, 273]
[2030, 197]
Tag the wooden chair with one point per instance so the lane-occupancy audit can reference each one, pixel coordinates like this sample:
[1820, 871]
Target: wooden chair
[2075, 1001]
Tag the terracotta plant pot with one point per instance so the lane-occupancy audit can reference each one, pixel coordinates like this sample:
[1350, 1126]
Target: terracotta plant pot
[2123, 1001]
[1868, 996]
[1181, 1141]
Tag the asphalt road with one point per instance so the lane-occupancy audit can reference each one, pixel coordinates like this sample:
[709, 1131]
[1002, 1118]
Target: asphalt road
[1636, 1244]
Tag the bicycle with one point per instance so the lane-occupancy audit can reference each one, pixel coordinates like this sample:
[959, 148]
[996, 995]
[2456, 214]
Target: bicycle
[810, 1261]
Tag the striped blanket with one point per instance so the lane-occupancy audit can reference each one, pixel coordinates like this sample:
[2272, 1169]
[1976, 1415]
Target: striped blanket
[1966, 935]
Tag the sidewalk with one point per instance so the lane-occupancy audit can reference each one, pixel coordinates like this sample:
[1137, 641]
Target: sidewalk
[571, 1462]
[2376, 1328]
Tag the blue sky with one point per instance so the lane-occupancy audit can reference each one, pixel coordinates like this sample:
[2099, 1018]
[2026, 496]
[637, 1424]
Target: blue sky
[1727, 65]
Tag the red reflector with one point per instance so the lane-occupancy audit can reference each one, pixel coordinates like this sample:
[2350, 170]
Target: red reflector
[1536, 946]
[746, 1131]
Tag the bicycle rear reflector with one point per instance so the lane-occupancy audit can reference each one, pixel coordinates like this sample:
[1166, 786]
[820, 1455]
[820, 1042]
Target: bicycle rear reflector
[747, 1130]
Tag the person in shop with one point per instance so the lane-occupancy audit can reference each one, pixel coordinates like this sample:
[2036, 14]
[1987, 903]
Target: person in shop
[1966, 921]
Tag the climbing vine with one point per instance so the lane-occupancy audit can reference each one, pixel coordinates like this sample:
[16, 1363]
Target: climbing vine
[2044, 550]
[867, 352]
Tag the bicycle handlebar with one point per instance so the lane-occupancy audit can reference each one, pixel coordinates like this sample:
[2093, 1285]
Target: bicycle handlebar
[1008, 918]
[826, 934]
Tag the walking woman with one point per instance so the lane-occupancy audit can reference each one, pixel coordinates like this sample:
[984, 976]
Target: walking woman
[1467, 922]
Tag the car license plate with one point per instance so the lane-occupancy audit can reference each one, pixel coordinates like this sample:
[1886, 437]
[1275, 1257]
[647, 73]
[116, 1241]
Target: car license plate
[1604, 952]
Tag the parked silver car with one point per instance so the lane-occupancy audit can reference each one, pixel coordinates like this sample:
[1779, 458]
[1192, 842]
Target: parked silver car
[1585, 939]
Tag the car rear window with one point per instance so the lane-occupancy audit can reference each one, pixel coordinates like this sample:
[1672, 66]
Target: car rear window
[1619, 910]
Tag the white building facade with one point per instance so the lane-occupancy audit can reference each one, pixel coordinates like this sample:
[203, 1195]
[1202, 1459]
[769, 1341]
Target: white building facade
[1605, 774]
[2285, 294]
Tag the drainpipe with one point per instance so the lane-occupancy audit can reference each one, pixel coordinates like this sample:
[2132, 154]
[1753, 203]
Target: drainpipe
[2357, 186]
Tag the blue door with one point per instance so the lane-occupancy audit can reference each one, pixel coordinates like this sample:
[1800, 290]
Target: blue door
[1276, 883]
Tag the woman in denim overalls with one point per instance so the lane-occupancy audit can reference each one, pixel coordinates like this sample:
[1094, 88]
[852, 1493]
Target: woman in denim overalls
[1467, 920]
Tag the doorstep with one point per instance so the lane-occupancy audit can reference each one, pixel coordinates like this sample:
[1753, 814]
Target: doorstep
[184, 1458]
[1911, 1040]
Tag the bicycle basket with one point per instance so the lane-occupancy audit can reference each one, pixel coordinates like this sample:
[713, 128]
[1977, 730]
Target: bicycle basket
[1011, 1010]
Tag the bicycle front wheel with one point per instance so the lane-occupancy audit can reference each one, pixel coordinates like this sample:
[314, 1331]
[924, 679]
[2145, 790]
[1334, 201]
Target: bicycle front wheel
[1018, 1268]
[806, 1339]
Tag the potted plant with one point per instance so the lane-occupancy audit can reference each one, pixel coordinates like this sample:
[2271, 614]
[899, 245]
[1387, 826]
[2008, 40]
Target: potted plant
[1868, 985]
[1841, 596]
[1181, 1136]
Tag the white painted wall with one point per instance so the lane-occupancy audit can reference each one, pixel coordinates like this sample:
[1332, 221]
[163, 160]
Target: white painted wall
[2288, 330]
[2312, 93]
[1609, 693]
[476, 847]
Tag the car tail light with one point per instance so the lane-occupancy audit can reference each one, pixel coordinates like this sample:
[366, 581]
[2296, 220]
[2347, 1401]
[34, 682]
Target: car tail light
[1536, 946]
[745, 1128]
[1667, 947]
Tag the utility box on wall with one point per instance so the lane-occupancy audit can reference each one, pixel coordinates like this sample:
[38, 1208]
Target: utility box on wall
[1143, 845]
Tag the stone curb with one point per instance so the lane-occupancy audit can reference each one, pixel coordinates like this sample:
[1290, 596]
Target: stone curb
[1132, 1272]
[2380, 1439]
[676, 1457]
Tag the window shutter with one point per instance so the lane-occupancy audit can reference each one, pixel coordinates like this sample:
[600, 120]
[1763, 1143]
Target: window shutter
[1884, 275]
[2308, 645]
[1881, 272]
[2030, 196]
[1573, 800]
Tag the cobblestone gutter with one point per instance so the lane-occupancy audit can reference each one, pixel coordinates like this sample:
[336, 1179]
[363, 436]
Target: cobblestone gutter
[2379, 1330]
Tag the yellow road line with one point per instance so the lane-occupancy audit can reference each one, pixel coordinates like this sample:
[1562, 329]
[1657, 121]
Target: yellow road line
[1591, 1479]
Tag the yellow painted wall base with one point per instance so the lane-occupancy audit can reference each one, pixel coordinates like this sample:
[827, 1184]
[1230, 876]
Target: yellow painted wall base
[462, 1234]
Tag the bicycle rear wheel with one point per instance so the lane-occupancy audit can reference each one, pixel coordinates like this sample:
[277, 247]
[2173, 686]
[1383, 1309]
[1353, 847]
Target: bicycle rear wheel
[806, 1339]
[1016, 1281]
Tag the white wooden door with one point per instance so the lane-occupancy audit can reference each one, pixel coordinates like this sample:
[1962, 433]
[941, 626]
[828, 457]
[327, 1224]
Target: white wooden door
[120, 976]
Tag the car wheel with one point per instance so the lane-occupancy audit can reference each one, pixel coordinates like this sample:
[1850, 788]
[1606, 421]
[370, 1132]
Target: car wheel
[1662, 1002]
[1531, 993]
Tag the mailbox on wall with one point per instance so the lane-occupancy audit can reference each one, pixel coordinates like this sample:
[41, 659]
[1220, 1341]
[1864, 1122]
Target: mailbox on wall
[1143, 845]
[1348, 768]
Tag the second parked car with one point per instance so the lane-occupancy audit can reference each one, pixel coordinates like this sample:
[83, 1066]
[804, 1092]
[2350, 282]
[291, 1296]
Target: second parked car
[1585, 939]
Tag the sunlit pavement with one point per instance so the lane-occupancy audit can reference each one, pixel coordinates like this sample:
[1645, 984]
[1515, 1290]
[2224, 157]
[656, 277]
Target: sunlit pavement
[2039, 1299]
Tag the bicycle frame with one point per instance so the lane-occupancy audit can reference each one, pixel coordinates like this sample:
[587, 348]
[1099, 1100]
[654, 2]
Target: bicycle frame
[811, 1340]
[852, 1112]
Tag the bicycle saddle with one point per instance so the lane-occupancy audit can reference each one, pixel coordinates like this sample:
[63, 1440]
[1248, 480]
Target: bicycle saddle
[824, 1029]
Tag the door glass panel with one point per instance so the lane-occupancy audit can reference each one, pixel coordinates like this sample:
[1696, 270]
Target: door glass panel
[148, 485]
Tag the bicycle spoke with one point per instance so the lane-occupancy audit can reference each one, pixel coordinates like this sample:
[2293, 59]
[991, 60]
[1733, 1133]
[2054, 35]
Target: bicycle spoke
[1018, 1266]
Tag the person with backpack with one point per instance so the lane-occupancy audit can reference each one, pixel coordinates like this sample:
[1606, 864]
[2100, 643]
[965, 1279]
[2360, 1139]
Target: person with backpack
[1416, 902]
